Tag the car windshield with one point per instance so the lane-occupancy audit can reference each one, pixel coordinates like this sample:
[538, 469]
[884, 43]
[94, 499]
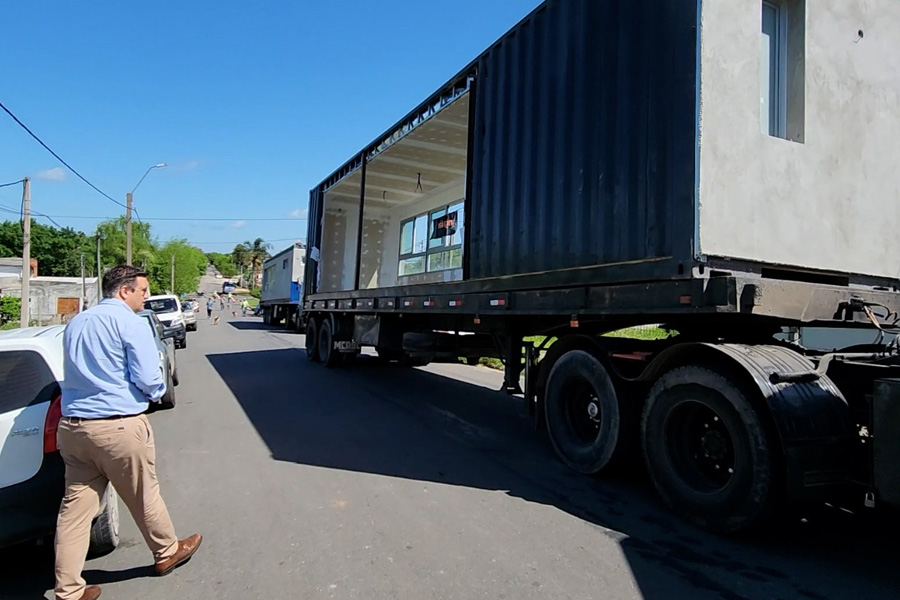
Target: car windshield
[161, 305]
[187, 306]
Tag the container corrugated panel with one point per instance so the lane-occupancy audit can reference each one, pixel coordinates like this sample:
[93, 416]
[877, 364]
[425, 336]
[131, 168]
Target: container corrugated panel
[584, 142]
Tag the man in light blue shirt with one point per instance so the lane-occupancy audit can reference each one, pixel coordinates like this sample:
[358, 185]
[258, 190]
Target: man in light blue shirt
[111, 373]
[111, 361]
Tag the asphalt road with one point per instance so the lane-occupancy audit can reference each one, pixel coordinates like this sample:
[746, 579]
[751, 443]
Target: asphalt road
[374, 482]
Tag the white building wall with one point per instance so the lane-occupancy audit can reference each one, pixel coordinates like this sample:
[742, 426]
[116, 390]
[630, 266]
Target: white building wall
[833, 201]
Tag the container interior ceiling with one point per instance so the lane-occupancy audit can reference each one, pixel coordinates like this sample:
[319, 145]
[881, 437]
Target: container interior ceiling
[413, 217]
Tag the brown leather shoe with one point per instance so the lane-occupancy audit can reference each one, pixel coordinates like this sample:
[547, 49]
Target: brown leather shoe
[91, 592]
[186, 549]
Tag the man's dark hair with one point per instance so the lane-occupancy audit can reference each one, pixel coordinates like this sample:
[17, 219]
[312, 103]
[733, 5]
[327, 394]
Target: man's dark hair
[119, 276]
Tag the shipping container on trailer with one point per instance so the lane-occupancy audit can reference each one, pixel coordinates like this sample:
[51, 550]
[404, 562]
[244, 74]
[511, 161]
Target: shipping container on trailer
[282, 286]
[605, 165]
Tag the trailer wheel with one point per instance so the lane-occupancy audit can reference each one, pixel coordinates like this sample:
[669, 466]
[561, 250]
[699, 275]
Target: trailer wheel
[582, 412]
[707, 450]
[312, 340]
[327, 354]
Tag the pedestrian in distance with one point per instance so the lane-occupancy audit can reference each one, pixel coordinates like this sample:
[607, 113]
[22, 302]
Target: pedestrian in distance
[112, 374]
[209, 308]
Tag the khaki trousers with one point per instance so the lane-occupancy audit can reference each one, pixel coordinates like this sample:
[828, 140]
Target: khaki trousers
[98, 452]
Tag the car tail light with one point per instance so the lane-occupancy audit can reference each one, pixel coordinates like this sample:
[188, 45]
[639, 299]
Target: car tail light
[51, 424]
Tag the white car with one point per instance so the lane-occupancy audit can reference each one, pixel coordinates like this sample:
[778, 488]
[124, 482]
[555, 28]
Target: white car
[168, 308]
[32, 473]
[190, 317]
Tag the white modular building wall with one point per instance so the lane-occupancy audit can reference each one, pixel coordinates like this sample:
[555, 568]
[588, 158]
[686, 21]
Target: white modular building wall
[280, 271]
[826, 193]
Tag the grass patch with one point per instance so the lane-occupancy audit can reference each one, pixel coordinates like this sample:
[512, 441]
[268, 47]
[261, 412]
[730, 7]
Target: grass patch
[8, 326]
[642, 332]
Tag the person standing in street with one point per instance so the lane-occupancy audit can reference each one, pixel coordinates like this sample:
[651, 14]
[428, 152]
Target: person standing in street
[209, 308]
[111, 375]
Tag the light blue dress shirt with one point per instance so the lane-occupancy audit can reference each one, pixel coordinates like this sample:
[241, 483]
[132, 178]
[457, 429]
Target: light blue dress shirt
[111, 363]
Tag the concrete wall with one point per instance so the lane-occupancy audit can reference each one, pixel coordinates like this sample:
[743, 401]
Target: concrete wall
[45, 293]
[831, 201]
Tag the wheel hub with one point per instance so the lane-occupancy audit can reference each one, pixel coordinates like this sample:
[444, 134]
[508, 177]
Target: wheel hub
[714, 445]
[593, 410]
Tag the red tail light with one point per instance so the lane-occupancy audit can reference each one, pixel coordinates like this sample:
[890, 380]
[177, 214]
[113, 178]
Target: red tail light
[51, 424]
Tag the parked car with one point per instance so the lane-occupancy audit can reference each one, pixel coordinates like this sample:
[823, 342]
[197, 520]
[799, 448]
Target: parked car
[32, 473]
[163, 336]
[190, 318]
[168, 308]
[195, 304]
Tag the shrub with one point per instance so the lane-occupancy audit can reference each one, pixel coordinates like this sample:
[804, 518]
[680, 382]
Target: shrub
[10, 309]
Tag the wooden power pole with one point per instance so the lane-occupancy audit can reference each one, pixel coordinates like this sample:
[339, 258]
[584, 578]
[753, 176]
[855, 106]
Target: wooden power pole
[26, 252]
[128, 228]
[99, 273]
[173, 273]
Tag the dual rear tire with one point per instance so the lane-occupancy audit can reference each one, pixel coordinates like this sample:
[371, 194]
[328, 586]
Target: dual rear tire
[707, 449]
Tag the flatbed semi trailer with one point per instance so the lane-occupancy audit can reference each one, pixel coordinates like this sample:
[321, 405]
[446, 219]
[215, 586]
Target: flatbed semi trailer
[605, 165]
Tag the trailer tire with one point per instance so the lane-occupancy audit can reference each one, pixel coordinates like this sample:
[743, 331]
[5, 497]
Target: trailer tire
[708, 451]
[582, 413]
[327, 354]
[312, 340]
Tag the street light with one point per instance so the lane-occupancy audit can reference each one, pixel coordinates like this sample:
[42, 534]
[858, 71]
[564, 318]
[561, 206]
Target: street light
[128, 211]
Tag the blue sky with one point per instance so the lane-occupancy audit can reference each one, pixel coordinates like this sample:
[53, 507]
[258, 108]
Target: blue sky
[250, 106]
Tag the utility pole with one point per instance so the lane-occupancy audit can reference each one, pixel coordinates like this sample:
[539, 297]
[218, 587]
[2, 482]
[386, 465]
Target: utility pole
[173, 273]
[26, 253]
[128, 228]
[99, 273]
[83, 298]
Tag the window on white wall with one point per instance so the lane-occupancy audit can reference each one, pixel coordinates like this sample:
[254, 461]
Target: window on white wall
[432, 241]
[773, 51]
[782, 79]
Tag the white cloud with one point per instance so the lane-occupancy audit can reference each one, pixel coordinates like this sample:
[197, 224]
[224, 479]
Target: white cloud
[239, 224]
[300, 213]
[189, 165]
[54, 174]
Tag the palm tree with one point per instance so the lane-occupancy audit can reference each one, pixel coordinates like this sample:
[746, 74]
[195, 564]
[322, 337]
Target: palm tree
[252, 255]
[241, 256]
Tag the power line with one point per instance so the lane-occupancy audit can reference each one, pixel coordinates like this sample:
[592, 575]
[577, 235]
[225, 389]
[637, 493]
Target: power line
[293, 239]
[3, 185]
[187, 218]
[33, 213]
[57, 156]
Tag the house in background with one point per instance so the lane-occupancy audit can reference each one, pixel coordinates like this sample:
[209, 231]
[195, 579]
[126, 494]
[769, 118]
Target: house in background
[53, 300]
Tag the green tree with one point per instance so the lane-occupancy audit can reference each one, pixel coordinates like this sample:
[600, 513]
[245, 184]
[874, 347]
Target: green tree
[252, 255]
[190, 264]
[224, 263]
[57, 251]
[113, 243]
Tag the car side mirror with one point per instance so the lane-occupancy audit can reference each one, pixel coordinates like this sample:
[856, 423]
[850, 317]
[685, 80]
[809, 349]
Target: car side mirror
[170, 332]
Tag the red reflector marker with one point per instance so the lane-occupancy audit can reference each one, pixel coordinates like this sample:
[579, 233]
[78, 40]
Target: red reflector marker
[51, 424]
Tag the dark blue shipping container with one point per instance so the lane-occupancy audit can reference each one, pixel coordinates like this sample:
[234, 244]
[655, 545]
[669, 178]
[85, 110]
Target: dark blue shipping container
[582, 149]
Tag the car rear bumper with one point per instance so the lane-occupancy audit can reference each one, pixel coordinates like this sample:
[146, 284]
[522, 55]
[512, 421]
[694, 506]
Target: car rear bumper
[28, 510]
